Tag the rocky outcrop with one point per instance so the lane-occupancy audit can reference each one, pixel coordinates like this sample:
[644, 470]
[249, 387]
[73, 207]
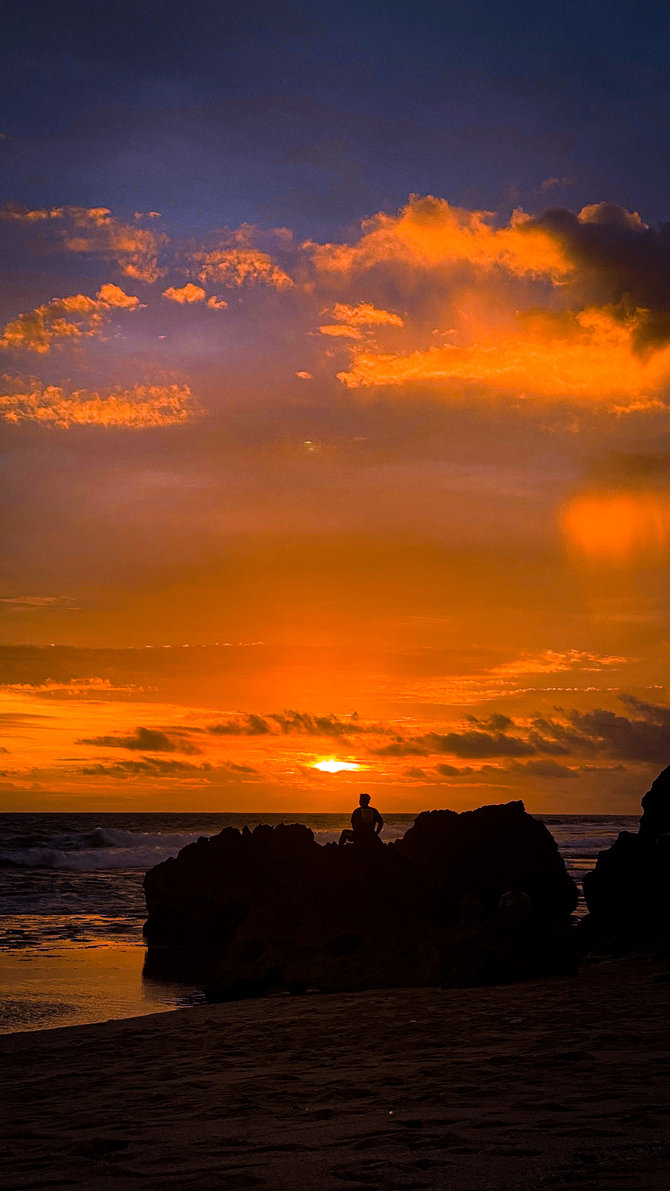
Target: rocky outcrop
[628, 892]
[280, 910]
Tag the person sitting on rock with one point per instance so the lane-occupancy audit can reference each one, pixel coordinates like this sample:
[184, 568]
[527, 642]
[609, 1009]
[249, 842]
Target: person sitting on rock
[366, 824]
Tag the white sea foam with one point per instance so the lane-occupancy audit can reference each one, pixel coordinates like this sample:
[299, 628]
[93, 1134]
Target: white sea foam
[127, 850]
[116, 837]
[98, 848]
[114, 848]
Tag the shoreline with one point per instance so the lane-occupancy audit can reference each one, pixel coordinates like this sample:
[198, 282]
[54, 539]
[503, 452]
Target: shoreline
[545, 1084]
[67, 985]
[65, 928]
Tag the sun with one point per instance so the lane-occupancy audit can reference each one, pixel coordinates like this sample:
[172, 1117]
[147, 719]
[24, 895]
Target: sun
[333, 766]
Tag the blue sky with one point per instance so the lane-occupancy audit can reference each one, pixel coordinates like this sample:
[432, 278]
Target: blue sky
[314, 115]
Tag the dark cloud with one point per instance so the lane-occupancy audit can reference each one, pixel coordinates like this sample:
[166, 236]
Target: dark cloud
[318, 725]
[557, 738]
[472, 743]
[620, 262]
[654, 712]
[478, 744]
[627, 739]
[147, 766]
[250, 725]
[643, 737]
[145, 740]
[601, 768]
[401, 748]
[291, 722]
[545, 768]
[495, 723]
[288, 722]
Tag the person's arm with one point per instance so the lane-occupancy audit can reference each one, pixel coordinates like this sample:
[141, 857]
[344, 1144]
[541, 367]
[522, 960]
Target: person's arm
[379, 822]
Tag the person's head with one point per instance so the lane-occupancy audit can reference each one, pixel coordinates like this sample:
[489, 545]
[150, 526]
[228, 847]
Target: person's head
[364, 799]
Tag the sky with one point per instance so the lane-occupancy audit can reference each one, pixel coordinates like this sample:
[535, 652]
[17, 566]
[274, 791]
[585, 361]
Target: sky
[334, 405]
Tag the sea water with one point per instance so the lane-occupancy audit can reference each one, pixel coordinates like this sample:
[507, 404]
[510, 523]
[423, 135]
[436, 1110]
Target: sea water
[72, 904]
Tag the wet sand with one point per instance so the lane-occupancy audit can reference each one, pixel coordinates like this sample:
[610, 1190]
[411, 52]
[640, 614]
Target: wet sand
[66, 984]
[557, 1084]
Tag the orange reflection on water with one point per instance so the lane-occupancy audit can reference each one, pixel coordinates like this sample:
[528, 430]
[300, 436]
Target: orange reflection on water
[618, 528]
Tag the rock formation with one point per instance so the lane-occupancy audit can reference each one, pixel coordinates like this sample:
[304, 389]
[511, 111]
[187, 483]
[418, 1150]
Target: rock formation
[279, 910]
[628, 892]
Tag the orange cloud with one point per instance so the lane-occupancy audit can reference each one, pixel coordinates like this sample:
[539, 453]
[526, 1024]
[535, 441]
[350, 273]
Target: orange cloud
[353, 318]
[241, 266]
[338, 331]
[553, 661]
[610, 213]
[73, 688]
[366, 315]
[561, 306]
[428, 233]
[68, 318]
[589, 355]
[189, 294]
[186, 294]
[239, 260]
[519, 676]
[138, 408]
[134, 250]
[113, 295]
[13, 213]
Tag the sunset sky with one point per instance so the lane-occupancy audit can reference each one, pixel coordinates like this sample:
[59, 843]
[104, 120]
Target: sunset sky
[334, 405]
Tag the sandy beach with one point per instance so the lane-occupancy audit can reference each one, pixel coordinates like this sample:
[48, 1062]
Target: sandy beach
[554, 1084]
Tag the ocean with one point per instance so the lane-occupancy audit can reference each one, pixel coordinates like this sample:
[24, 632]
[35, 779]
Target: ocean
[72, 905]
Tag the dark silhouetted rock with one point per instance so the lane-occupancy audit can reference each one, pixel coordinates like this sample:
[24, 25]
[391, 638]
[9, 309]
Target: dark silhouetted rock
[628, 892]
[281, 911]
[655, 819]
[486, 852]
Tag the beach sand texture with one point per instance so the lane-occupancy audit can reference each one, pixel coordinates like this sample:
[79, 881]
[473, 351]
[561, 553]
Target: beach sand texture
[556, 1084]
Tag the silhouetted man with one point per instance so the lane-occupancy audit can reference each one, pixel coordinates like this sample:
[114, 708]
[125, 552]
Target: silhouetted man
[366, 823]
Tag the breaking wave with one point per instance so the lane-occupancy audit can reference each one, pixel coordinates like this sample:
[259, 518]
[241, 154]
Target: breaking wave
[111, 847]
[73, 846]
[101, 848]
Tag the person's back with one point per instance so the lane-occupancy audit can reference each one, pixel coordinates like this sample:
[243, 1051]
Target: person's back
[364, 819]
[366, 823]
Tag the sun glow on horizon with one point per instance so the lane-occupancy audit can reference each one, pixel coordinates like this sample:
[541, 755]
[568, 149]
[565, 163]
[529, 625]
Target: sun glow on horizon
[333, 766]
